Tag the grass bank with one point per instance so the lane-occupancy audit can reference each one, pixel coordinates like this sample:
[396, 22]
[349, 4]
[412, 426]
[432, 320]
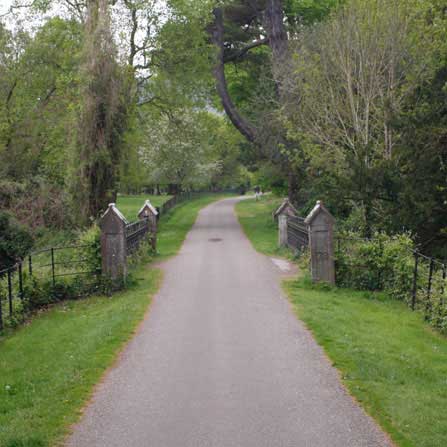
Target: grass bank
[49, 367]
[389, 359]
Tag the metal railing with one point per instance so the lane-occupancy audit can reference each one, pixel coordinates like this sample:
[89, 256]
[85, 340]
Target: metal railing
[417, 279]
[297, 233]
[47, 265]
[175, 200]
[136, 232]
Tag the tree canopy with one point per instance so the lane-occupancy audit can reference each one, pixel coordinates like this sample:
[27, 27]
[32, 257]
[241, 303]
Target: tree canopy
[343, 101]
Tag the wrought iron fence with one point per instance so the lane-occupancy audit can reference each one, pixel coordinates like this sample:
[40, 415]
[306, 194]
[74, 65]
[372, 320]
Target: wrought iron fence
[297, 233]
[136, 232]
[49, 266]
[175, 200]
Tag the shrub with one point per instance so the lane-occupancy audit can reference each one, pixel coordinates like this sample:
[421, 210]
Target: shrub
[91, 239]
[381, 263]
[15, 240]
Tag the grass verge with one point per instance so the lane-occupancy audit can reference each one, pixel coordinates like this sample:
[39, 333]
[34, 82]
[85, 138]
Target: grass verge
[389, 359]
[258, 224]
[392, 362]
[48, 368]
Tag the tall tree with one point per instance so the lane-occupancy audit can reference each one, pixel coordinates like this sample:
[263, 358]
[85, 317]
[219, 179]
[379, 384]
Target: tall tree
[237, 29]
[103, 115]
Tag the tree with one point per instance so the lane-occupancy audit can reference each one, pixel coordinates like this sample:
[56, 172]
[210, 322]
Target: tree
[103, 115]
[238, 29]
[357, 78]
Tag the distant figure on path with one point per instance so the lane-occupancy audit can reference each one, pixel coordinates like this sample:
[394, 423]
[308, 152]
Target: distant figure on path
[257, 192]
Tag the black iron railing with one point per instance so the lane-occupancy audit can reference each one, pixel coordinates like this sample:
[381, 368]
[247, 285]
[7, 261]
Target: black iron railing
[136, 232]
[297, 233]
[48, 266]
[406, 274]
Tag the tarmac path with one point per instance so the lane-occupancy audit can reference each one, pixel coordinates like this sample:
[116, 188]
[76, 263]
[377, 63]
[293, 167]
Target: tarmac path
[222, 361]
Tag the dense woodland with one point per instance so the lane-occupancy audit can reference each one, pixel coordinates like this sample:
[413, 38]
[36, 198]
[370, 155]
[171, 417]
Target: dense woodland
[344, 101]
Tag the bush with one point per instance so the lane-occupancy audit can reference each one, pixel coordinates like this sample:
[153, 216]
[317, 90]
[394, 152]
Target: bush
[381, 263]
[15, 240]
[91, 239]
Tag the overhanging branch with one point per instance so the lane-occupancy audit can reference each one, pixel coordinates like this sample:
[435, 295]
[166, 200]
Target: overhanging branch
[217, 37]
[239, 53]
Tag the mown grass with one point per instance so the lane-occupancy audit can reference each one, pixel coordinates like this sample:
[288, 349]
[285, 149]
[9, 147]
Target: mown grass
[48, 368]
[392, 362]
[389, 359]
[129, 205]
[257, 222]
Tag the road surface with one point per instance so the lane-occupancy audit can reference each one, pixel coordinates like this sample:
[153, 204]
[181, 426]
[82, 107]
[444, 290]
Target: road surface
[222, 361]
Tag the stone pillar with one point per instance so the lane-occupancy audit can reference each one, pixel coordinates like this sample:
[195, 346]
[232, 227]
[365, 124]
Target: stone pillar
[282, 233]
[285, 210]
[321, 243]
[113, 243]
[149, 213]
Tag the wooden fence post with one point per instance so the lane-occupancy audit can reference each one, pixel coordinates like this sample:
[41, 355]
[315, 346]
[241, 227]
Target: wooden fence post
[149, 213]
[113, 243]
[321, 243]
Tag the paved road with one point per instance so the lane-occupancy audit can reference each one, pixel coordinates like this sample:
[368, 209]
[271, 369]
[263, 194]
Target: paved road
[221, 361]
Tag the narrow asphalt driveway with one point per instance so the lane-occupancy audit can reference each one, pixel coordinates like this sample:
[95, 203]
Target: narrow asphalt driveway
[222, 361]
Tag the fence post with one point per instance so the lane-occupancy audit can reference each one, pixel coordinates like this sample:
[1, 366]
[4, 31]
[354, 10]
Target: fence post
[282, 233]
[113, 243]
[149, 213]
[321, 243]
[285, 208]
[281, 214]
[415, 281]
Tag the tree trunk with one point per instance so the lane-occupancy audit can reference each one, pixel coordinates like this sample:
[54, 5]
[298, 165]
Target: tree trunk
[293, 187]
[217, 37]
[277, 39]
[173, 189]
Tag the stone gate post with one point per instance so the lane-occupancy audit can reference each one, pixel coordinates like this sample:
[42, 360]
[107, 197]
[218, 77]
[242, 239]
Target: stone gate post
[282, 230]
[321, 243]
[285, 210]
[149, 212]
[113, 243]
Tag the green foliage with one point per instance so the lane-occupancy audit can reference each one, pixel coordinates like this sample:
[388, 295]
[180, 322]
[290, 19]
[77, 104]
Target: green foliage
[90, 241]
[381, 263]
[271, 178]
[15, 240]
[370, 141]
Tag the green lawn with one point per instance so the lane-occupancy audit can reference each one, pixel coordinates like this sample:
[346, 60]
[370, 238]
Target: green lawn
[49, 367]
[389, 359]
[130, 205]
[257, 221]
